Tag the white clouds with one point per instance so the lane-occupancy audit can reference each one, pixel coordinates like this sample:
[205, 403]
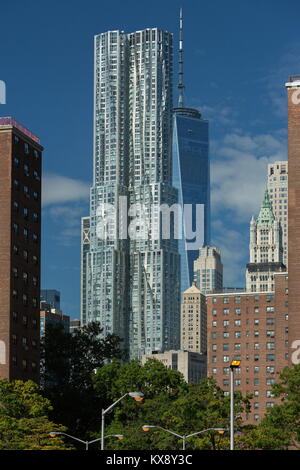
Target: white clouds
[65, 201]
[289, 64]
[234, 251]
[240, 170]
[239, 174]
[57, 189]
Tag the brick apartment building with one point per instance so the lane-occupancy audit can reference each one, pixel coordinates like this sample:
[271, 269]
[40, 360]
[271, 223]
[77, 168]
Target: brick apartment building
[20, 227]
[293, 90]
[251, 327]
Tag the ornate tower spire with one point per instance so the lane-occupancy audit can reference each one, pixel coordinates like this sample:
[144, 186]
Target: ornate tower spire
[266, 216]
[180, 73]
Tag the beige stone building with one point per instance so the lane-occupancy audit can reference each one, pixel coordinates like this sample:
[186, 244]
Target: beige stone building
[193, 321]
[208, 270]
[192, 365]
[266, 251]
[278, 192]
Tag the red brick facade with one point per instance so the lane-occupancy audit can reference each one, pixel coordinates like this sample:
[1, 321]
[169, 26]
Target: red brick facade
[20, 230]
[293, 88]
[253, 328]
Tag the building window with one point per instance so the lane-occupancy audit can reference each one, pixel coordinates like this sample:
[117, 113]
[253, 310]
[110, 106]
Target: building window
[270, 357]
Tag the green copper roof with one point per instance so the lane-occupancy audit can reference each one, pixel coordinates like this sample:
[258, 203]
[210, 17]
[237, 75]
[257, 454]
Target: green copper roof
[266, 216]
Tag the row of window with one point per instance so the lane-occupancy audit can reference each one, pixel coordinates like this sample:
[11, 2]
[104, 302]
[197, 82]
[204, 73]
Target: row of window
[226, 323]
[237, 311]
[26, 191]
[25, 276]
[27, 148]
[237, 299]
[16, 231]
[256, 333]
[256, 370]
[24, 320]
[237, 346]
[238, 383]
[26, 169]
[24, 364]
[256, 357]
[35, 216]
[25, 298]
[25, 254]
[24, 341]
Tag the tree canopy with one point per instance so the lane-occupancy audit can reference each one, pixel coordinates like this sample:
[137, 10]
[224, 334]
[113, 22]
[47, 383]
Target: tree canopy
[24, 423]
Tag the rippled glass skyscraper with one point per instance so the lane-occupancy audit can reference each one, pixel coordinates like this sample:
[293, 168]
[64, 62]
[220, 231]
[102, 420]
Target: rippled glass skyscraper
[191, 170]
[132, 285]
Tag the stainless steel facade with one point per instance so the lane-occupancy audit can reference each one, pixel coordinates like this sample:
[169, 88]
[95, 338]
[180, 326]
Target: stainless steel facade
[131, 285]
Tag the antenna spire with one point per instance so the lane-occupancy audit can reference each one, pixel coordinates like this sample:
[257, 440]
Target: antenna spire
[180, 73]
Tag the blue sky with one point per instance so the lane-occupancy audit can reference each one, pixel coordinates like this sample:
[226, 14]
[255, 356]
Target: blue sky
[238, 55]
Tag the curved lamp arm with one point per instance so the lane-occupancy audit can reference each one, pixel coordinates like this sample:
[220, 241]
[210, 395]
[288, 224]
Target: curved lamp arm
[204, 430]
[167, 430]
[65, 434]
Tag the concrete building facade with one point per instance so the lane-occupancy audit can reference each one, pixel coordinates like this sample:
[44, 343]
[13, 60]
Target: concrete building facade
[192, 365]
[193, 324]
[208, 270]
[277, 184]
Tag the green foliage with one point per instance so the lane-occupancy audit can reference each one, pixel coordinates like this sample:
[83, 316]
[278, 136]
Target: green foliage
[24, 424]
[68, 364]
[20, 399]
[280, 428]
[169, 402]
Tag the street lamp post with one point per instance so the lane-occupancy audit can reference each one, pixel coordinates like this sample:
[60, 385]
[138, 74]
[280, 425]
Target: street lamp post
[87, 443]
[233, 365]
[147, 428]
[136, 395]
